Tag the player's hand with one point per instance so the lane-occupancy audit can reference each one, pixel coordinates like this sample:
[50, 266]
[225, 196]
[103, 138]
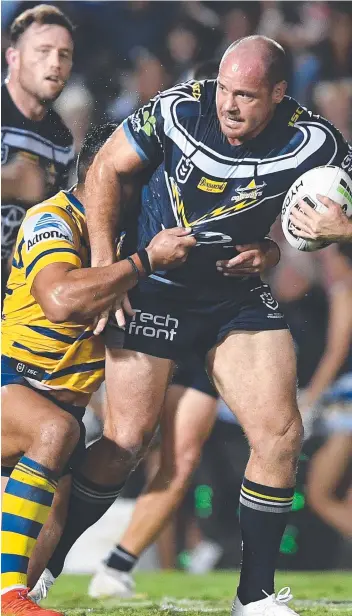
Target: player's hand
[253, 259]
[331, 225]
[121, 308]
[100, 322]
[101, 319]
[170, 248]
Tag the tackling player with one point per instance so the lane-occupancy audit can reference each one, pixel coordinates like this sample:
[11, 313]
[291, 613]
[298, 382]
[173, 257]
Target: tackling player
[52, 362]
[230, 151]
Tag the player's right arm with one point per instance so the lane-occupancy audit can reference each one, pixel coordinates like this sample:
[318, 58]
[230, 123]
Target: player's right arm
[135, 145]
[67, 293]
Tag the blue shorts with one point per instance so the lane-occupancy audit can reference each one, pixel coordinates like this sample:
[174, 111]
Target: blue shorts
[171, 325]
[192, 374]
[9, 376]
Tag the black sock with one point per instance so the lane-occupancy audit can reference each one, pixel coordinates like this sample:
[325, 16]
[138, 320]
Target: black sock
[121, 559]
[263, 517]
[88, 503]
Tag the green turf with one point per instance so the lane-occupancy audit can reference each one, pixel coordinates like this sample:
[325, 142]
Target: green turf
[175, 593]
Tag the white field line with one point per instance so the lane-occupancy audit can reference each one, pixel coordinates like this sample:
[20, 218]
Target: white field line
[197, 605]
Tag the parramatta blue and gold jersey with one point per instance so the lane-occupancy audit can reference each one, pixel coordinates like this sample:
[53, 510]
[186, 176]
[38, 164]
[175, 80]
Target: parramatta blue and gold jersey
[228, 194]
[72, 357]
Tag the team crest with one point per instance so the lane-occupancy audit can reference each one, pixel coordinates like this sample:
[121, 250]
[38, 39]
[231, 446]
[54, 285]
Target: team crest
[252, 191]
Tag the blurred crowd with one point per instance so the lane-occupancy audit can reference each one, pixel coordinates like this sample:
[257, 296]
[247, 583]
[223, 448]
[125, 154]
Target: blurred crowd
[127, 51]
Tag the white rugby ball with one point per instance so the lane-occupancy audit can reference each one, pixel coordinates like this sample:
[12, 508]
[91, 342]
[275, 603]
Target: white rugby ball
[328, 181]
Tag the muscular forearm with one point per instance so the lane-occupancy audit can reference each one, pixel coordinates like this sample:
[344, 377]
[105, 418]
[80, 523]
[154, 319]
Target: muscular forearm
[103, 189]
[84, 293]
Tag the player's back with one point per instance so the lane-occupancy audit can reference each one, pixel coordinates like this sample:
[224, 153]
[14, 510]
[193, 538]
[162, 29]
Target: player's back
[62, 355]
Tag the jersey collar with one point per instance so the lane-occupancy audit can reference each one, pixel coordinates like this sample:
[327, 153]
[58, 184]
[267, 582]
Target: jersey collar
[73, 200]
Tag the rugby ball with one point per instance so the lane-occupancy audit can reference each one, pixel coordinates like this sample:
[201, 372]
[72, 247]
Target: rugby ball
[328, 181]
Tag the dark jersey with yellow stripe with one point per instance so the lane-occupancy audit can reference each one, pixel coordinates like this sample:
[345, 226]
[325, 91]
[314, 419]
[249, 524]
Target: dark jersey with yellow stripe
[228, 194]
[70, 355]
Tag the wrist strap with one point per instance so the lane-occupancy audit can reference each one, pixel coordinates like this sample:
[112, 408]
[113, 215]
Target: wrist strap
[143, 256]
[134, 267]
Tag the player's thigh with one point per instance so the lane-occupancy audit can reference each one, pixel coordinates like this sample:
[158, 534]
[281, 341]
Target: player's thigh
[255, 374]
[188, 418]
[26, 416]
[135, 387]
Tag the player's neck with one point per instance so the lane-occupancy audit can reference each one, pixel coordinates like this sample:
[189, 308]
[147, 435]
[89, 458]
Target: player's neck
[78, 192]
[26, 103]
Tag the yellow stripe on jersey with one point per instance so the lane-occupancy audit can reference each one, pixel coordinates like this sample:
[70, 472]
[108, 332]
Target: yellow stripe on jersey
[71, 356]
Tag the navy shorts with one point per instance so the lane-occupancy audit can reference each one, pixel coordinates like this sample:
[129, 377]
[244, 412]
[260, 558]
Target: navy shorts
[9, 376]
[169, 325]
[192, 374]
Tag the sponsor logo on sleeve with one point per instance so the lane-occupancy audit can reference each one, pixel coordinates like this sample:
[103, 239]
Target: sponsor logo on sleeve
[295, 116]
[196, 91]
[45, 227]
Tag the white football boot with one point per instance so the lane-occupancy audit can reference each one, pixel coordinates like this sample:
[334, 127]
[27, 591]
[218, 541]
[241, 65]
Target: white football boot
[271, 606]
[109, 582]
[41, 589]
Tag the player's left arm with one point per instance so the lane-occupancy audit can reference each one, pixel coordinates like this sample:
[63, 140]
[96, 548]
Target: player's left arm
[253, 259]
[332, 225]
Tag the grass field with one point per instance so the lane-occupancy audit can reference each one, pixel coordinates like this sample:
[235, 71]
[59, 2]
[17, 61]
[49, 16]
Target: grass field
[174, 593]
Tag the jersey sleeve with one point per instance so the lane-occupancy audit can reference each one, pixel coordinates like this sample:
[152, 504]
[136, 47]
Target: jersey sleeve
[325, 145]
[49, 236]
[144, 130]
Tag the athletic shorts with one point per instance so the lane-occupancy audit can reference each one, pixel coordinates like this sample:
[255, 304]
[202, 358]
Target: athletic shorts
[172, 326]
[192, 374]
[9, 376]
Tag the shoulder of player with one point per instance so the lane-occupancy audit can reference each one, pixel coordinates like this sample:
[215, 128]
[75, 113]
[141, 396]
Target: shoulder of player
[190, 96]
[299, 118]
[53, 208]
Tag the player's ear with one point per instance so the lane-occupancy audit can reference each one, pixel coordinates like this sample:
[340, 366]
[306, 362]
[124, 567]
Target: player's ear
[12, 57]
[279, 91]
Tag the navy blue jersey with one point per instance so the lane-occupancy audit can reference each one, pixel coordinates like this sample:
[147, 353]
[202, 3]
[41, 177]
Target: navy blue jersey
[228, 194]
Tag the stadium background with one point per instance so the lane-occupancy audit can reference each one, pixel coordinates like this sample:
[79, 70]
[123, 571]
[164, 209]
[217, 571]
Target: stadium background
[125, 53]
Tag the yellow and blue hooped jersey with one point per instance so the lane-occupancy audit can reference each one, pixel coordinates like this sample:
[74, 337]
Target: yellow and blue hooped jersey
[70, 355]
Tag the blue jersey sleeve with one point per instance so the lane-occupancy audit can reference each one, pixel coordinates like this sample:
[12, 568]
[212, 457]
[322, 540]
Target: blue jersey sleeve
[326, 144]
[144, 130]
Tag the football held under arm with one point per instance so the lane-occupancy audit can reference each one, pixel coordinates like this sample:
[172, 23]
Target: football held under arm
[130, 149]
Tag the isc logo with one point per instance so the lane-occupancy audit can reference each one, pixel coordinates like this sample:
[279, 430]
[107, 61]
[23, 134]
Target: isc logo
[153, 325]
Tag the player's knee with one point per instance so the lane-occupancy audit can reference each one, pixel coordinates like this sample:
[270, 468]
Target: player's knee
[179, 467]
[130, 446]
[281, 441]
[61, 435]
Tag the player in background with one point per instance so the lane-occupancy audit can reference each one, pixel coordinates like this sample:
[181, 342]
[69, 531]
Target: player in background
[52, 362]
[36, 146]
